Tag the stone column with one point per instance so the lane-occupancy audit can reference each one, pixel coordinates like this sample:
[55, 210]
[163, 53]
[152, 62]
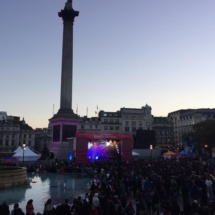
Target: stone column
[68, 15]
[65, 122]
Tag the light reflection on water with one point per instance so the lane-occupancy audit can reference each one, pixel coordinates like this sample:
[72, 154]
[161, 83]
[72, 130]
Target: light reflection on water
[44, 186]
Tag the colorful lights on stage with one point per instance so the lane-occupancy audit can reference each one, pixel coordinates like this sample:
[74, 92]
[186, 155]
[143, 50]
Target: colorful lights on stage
[102, 149]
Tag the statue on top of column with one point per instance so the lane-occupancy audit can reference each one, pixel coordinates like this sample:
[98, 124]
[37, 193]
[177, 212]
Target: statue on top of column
[68, 5]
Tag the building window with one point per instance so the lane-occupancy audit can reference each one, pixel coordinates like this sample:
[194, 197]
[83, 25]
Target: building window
[133, 129]
[133, 123]
[117, 128]
[105, 120]
[148, 124]
[140, 123]
[126, 129]
[117, 120]
[105, 127]
[127, 123]
[111, 128]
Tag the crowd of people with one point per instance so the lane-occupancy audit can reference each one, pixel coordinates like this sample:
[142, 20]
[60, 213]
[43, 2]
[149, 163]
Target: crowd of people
[143, 187]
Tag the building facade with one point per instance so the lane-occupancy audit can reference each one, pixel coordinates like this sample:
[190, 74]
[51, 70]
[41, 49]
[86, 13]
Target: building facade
[15, 132]
[183, 121]
[124, 121]
[168, 130]
[164, 135]
[90, 124]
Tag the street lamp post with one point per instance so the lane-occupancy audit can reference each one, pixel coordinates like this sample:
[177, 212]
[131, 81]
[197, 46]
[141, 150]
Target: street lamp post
[23, 156]
[151, 148]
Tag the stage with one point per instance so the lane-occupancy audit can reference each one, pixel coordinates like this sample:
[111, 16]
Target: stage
[95, 146]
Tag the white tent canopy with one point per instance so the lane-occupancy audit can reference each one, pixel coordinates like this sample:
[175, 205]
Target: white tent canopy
[28, 154]
[135, 153]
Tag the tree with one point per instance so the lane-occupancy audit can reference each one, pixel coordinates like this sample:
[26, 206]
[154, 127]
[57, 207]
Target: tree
[45, 152]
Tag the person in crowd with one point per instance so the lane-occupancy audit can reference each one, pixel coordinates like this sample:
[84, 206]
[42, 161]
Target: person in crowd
[156, 183]
[76, 207]
[186, 207]
[48, 208]
[109, 206]
[30, 208]
[148, 200]
[130, 208]
[209, 184]
[94, 211]
[96, 201]
[175, 209]
[85, 207]
[155, 202]
[4, 209]
[17, 210]
[63, 209]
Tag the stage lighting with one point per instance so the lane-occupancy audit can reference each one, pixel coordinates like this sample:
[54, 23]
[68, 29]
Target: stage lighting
[70, 156]
[96, 157]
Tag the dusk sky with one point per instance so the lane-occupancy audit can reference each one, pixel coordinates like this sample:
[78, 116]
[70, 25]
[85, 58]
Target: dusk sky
[126, 54]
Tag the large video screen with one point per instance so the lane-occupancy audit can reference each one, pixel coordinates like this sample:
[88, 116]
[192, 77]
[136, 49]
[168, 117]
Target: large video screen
[103, 149]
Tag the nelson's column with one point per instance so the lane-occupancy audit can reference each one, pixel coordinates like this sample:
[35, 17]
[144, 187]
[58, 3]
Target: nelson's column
[65, 122]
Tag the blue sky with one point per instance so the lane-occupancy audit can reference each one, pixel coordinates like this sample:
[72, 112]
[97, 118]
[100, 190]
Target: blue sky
[126, 54]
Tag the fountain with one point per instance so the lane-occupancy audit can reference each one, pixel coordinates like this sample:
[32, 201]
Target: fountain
[12, 176]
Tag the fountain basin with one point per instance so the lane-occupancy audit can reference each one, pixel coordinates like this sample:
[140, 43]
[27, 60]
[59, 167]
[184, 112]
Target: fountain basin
[13, 177]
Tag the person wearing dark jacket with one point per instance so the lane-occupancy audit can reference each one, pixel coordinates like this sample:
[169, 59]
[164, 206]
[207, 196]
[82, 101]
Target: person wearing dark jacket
[17, 210]
[63, 209]
[4, 209]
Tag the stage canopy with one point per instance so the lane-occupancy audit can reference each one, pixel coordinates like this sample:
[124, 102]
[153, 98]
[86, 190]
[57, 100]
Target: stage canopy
[102, 136]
